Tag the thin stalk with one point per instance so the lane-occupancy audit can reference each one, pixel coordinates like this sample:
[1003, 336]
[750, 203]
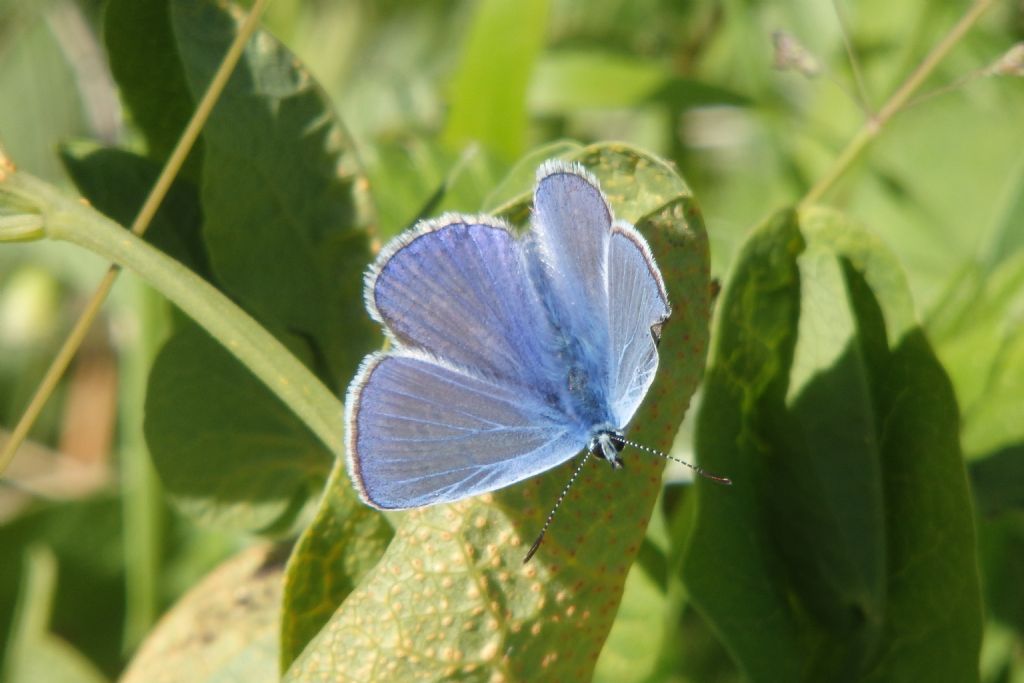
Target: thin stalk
[873, 126]
[858, 77]
[139, 226]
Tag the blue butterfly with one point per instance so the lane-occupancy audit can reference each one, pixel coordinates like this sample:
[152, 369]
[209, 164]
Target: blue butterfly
[510, 354]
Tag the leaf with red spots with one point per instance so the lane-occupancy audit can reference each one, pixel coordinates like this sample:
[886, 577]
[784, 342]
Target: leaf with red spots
[344, 541]
[451, 596]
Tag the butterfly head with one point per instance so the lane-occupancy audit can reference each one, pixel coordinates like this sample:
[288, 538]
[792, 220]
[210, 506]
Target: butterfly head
[608, 442]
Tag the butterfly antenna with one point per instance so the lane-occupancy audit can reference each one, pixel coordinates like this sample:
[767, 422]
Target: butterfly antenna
[696, 468]
[551, 515]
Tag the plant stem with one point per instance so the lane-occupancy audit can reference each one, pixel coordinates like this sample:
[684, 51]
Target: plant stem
[69, 348]
[142, 504]
[873, 126]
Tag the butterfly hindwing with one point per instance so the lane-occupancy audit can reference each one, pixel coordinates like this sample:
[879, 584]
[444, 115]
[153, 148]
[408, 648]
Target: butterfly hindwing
[422, 432]
[572, 228]
[639, 306]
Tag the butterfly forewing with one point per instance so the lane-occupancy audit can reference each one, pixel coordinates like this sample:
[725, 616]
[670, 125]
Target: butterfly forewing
[458, 289]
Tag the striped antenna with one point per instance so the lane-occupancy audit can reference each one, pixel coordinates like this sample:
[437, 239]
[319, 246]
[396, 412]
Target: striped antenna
[551, 515]
[696, 468]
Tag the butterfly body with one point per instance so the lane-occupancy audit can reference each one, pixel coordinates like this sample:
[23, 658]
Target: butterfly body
[511, 353]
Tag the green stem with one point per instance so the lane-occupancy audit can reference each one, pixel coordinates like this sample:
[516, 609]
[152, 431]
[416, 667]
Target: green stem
[874, 125]
[156, 196]
[141, 499]
[32, 611]
[21, 228]
[268, 359]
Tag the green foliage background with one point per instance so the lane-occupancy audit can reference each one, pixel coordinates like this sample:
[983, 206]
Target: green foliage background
[864, 385]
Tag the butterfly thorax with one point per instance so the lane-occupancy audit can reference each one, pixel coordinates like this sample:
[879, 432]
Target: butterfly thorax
[585, 390]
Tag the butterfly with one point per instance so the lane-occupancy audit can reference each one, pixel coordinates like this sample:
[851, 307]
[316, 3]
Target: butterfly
[510, 353]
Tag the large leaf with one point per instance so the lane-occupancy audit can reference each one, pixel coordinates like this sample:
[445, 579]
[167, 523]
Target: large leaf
[144, 59]
[1005, 237]
[228, 451]
[116, 182]
[282, 194]
[87, 541]
[979, 335]
[223, 630]
[283, 226]
[846, 550]
[345, 540]
[35, 655]
[451, 595]
[415, 177]
[631, 652]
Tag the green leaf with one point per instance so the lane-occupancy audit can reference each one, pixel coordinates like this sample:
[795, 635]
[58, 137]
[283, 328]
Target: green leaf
[845, 551]
[416, 177]
[34, 655]
[635, 183]
[488, 98]
[573, 80]
[345, 540]
[979, 336]
[451, 596]
[637, 634]
[223, 630]
[145, 61]
[42, 86]
[998, 481]
[116, 182]
[405, 177]
[228, 451]
[1005, 238]
[519, 180]
[684, 93]
[567, 80]
[263, 354]
[282, 193]
[1001, 555]
[86, 538]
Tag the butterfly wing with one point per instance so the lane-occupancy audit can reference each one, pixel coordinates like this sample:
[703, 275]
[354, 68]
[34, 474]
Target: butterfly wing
[422, 432]
[572, 228]
[639, 306]
[605, 286]
[458, 289]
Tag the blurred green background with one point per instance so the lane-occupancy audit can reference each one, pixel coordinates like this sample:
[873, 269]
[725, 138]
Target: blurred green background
[444, 97]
